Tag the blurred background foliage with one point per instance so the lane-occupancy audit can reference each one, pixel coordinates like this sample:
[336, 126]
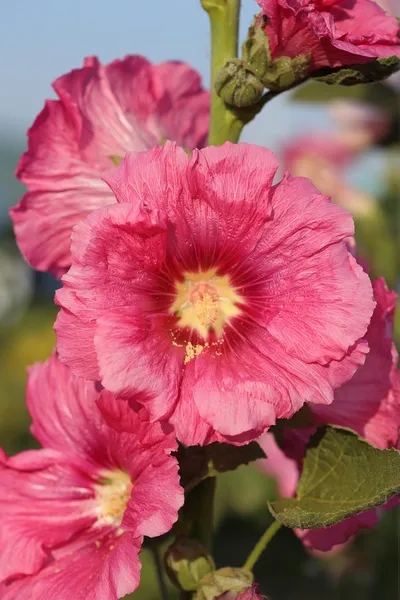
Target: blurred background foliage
[367, 569]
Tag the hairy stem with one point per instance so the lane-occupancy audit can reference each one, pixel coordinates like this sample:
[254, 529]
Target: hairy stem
[261, 545]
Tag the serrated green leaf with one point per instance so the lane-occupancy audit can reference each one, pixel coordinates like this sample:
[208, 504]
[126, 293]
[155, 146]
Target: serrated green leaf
[198, 462]
[342, 476]
[369, 72]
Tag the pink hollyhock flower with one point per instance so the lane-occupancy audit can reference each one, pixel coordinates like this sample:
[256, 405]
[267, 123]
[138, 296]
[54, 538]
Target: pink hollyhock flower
[334, 33]
[73, 514]
[252, 593]
[218, 300]
[369, 404]
[322, 158]
[102, 113]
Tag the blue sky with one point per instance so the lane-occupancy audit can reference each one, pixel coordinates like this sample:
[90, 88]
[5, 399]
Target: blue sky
[43, 39]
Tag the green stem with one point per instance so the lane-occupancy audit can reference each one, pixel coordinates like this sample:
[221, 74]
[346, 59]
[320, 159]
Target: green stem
[160, 571]
[203, 523]
[225, 125]
[261, 545]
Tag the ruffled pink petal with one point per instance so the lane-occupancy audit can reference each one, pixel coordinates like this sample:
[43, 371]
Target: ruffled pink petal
[99, 566]
[317, 311]
[369, 402]
[41, 506]
[75, 344]
[63, 189]
[155, 499]
[105, 130]
[136, 358]
[64, 413]
[131, 253]
[154, 179]
[129, 416]
[328, 537]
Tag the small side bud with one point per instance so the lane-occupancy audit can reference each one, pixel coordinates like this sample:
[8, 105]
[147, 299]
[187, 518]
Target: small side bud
[284, 72]
[228, 579]
[369, 72]
[256, 53]
[237, 86]
[187, 562]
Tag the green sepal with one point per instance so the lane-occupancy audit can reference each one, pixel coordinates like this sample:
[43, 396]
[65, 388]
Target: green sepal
[187, 562]
[237, 86]
[342, 475]
[256, 53]
[228, 579]
[284, 72]
[369, 72]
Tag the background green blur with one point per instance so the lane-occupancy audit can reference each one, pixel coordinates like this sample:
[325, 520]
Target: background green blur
[365, 570]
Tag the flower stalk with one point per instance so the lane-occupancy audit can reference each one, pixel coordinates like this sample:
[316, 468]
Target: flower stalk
[155, 551]
[225, 124]
[261, 545]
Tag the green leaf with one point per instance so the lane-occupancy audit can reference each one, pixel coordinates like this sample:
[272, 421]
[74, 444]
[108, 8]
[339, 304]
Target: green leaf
[198, 462]
[342, 476]
[369, 72]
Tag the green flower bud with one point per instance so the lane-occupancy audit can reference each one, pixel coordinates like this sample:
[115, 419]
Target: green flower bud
[284, 72]
[228, 579]
[256, 53]
[187, 562]
[237, 86]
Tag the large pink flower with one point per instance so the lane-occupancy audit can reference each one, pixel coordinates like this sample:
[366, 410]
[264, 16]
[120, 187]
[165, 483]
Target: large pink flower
[214, 298]
[333, 33]
[369, 404]
[102, 113]
[73, 514]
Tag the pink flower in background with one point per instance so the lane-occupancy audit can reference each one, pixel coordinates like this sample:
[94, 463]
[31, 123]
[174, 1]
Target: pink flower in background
[369, 404]
[102, 113]
[323, 158]
[73, 514]
[334, 33]
[215, 299]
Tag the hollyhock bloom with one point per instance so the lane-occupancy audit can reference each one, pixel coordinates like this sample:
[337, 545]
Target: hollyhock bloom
[361, 124]
[369, 404]
[218, 300]
[103, 112]
[252, 593]
[323, 158]
[334, 33]
[73, 514]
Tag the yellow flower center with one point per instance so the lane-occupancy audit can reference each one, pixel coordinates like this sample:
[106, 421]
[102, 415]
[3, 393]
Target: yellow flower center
[113, 495]
[205, 301]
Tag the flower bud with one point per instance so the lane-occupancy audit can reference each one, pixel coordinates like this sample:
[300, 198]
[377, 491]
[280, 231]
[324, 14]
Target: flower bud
[256, 53]
[187, 562]
[228, 579]
[237, 86]
[284, 72]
